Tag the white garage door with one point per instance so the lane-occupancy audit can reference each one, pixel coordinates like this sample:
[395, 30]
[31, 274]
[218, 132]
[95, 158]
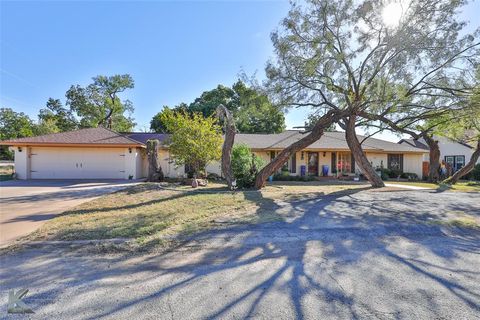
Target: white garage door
[77, 163]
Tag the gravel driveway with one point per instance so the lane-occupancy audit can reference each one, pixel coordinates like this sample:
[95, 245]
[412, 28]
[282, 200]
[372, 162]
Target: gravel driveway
[368, 254]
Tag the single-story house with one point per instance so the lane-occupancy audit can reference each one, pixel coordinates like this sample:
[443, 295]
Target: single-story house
[99, 153]
[454, 153]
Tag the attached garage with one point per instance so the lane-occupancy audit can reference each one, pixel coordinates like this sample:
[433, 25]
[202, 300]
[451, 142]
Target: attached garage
[94, 153]
[77, 163]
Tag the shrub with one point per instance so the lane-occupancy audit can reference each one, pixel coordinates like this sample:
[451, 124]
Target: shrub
[245, 165]
[385, 173]
[395, 174]
[281, 177]
[214, 177]
[475, 173]
[409, 176]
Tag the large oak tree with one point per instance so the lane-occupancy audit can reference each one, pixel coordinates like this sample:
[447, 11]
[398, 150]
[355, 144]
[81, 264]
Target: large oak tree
[99, 103]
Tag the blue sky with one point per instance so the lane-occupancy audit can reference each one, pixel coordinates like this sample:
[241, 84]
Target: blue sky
[173, 50]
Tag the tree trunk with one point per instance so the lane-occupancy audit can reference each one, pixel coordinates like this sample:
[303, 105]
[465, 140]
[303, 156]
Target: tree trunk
[467, 168]
[360, 158]
[155, 172]
[229, 126]
[317, 131]
[434, 158]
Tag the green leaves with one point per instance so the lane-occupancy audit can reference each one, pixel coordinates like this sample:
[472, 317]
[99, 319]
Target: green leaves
[55, 115]
[99, 104]
[195, 140]
[245, 165]
[252, 110]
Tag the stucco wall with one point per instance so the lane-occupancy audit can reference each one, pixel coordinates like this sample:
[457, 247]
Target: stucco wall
[377, 159]
[413, 163]
[140, 161]
[450, 148]
[168, 166]
[214, 167]
[130, 163]
[22, 162]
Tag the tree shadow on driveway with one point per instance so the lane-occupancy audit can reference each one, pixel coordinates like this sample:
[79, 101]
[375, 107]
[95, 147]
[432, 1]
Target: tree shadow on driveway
[347, 255]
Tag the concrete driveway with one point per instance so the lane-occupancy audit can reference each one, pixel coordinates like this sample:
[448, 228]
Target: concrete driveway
[26, 205]
[363, 255]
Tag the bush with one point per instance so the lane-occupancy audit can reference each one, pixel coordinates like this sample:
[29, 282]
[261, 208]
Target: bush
[394, 174]
[282, 177]
[214, 177]
[409, 176]
[385, 173]
[475, 173]
[245, 165]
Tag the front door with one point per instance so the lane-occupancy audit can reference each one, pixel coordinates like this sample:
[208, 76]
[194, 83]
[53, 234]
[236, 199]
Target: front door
[312, 163]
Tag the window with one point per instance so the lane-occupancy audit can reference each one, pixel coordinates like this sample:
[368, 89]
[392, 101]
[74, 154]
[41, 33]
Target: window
[395, 162]
[272, 155]
[455, 162]
[344, 163]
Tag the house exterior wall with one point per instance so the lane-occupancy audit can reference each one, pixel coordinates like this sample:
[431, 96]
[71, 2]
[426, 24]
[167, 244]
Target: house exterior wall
[130, 163]
[377, 160]
[168, 166]
[214, 167]
[141, 163]
[451, 148]
[136, 162]
[22, 162]
[412, 162]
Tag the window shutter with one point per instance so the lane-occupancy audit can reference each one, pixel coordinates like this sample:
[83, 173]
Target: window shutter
[293, 164]
[334, 162]
[401, 162]
[352, 170]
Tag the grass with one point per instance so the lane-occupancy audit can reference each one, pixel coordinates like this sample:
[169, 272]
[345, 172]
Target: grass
[462, 186]
[152, 215]
[6, 173]
[460, 219]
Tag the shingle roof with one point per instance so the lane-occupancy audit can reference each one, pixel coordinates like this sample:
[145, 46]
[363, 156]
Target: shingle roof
[414, 143]
[142, 137]
[102, 136]
[329, 141]
[90, 136]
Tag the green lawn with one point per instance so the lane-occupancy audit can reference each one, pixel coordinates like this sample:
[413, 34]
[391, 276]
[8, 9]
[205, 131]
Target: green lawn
[463, 186]
[150, 214]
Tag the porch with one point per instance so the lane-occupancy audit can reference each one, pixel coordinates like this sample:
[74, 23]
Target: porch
[340, 163]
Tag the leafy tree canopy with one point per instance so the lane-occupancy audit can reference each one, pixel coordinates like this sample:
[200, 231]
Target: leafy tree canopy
[256, 114]
[252, 110]
[13, 125]
[99, 103]
[312, 119]
[195, 141]
[55, 114]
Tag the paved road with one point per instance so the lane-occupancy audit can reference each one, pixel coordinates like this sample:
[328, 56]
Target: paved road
[26, 205]
[365, 255]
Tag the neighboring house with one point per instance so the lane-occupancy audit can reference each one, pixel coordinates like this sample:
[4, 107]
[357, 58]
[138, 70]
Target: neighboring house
[454, 153]
[98, 153]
